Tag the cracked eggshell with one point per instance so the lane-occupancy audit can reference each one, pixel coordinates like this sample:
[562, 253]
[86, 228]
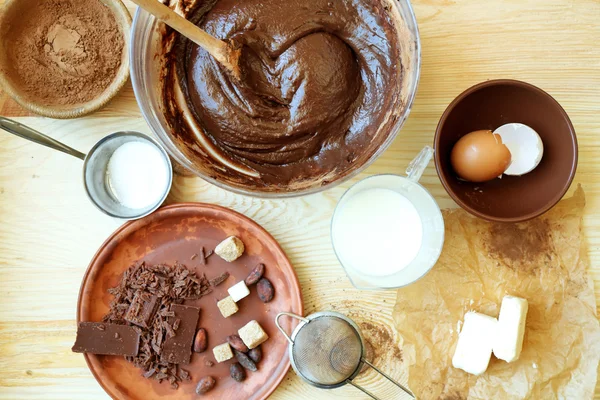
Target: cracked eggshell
[525, 146]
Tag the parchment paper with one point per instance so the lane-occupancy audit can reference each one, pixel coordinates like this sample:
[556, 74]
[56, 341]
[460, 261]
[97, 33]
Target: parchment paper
[544, 261]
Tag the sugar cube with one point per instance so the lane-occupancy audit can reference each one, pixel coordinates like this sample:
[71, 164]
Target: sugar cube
[230, 249]
[222, 352]
[252, 334]
[227, 306]
[238, 291]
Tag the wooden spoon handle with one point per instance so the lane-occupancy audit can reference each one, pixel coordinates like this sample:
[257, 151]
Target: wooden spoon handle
[216, 47]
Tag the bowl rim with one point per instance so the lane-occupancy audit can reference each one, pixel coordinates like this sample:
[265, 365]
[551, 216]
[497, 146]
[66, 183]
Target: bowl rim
[119, 10]
[138, 85]
[553, 200]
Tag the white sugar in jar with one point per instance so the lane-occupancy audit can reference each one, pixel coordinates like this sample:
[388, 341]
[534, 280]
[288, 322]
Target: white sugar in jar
[137, 174]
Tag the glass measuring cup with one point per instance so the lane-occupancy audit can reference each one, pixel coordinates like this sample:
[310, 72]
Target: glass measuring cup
[365, 275]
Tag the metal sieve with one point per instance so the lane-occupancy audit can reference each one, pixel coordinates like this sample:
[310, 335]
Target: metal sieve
[327, 350]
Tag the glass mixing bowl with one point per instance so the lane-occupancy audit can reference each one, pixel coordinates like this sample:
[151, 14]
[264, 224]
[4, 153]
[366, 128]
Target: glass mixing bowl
[146, 67]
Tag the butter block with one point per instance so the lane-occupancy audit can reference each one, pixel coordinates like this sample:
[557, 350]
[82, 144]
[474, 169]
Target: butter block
[508, 342]
[475, 341]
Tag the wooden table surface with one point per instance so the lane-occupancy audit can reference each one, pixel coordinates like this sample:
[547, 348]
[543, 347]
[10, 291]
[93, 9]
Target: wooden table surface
[49, 230]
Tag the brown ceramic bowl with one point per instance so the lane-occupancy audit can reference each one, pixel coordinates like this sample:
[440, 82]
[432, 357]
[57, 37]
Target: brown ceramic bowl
[489, 105]
[11, 10]
[176, 233]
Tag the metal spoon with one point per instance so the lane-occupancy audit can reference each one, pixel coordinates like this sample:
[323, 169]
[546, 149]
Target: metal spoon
[95, 166]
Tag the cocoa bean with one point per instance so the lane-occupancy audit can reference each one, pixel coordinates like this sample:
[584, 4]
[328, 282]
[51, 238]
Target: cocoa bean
[237, 343]
[265, 290]
[237, 372]
[245, 361]
[205, 385]
[255, 275]
[255, 354]
[200, 341]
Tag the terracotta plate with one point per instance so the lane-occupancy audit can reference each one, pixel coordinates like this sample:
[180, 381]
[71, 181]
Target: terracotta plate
[176, 233]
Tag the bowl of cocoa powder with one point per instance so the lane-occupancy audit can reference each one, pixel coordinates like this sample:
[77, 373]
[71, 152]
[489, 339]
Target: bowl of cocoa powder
[64, 58]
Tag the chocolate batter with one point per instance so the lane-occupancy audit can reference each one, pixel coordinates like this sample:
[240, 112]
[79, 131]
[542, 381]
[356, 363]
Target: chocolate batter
[320, 81]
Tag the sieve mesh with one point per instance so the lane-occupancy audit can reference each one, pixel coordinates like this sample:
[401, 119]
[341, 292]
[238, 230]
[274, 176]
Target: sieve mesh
[327, 350]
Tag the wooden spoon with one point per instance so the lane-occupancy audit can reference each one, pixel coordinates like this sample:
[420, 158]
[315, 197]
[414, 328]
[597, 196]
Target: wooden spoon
[225, 54]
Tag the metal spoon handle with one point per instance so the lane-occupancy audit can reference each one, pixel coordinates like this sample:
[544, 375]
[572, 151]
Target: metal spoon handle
[31, 134]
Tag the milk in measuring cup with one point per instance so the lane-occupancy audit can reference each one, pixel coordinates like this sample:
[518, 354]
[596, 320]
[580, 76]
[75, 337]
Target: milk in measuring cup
[377, 232]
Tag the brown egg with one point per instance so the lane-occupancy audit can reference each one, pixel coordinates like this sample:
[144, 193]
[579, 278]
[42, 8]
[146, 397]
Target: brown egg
[480, 156]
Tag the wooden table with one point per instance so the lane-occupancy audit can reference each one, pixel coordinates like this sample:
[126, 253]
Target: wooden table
[49, 230]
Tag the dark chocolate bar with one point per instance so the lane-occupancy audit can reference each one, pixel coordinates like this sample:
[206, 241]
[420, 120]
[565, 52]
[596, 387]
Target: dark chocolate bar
[177, 349]
[106, 339]
[142, 309]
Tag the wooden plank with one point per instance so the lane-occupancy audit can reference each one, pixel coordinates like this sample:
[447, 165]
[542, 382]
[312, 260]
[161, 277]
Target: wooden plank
[49, 230]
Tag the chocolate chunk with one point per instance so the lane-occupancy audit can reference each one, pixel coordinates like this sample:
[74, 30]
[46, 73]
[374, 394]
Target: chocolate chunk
[172, 285]
[106, 339]
[202, 256]
[142, 309]
[177, 349]
[219, 279]
[149, 373]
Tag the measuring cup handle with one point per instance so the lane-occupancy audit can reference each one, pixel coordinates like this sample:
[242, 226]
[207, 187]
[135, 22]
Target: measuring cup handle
[31, 134]
[417, 166]
[292, 315]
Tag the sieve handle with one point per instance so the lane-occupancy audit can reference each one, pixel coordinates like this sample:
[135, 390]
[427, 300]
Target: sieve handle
[389, 378]
[292, 315]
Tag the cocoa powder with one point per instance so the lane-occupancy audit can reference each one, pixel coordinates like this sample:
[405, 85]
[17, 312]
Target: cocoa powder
[526, 246]
[381, 340]
[64, 52]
